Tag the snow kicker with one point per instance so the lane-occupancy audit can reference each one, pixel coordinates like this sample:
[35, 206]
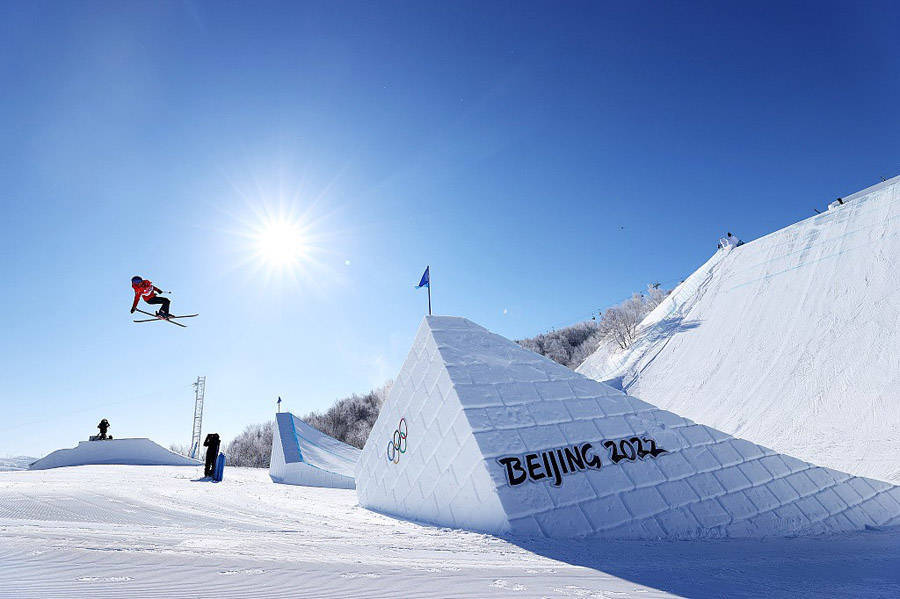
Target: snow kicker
[137, 452]
[479, 433]
[301, 455]
[790, 340]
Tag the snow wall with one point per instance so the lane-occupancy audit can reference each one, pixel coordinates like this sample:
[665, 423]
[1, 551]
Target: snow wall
[302, 455]
[479, 433]
[136, 452]
[791, 340]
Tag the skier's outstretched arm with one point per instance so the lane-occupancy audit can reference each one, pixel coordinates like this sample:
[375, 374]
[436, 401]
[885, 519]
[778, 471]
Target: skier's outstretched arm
[137, 296]
[157, 289]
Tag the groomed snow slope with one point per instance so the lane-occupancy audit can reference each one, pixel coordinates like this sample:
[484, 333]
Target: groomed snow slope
[139, 532]
[135, 452]
[791, 341]
[479, 433]
[302, 455]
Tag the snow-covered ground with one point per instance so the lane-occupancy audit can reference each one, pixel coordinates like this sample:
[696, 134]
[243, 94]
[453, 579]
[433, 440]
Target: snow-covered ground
[158, 531]
[791, 341]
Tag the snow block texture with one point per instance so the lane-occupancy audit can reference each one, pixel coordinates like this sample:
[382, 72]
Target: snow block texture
[791, 340]
[302, 455]
[479, 433]
[135, 452]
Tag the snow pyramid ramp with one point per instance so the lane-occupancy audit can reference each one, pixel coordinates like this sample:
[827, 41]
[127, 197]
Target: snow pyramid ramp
[302, 455]
[479, 433]
[135, 452]
[791, 341]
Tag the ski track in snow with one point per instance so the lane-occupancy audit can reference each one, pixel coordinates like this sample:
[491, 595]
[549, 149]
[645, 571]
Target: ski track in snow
[156, 531]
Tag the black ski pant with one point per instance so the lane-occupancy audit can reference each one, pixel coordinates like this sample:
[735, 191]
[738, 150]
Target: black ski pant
[160, 300]
[210, 466]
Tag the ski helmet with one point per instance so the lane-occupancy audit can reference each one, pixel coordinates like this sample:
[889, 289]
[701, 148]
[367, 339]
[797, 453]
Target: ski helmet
[135, 280]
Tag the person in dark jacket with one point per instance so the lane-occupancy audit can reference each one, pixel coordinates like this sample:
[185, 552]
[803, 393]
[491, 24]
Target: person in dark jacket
[211, 443]
[103, 426]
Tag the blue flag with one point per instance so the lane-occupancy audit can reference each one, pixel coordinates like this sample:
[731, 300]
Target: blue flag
[426, 279]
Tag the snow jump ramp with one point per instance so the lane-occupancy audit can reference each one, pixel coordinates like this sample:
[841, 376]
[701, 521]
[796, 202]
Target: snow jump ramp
[135, 452]
[302, 455]
[791, 340]
[479, 433]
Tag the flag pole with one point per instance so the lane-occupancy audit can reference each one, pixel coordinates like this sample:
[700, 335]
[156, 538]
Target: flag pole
[429, 290]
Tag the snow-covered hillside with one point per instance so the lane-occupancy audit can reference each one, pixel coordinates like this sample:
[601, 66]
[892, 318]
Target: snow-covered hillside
[15, 463]
[159, 531]
[791, 341]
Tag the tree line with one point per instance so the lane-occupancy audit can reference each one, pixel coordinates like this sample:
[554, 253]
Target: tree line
[618, 325]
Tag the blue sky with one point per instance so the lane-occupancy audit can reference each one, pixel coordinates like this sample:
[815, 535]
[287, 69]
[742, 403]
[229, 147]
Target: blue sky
[546, 160]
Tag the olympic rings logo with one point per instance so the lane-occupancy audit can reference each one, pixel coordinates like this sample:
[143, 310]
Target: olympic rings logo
[397, 444]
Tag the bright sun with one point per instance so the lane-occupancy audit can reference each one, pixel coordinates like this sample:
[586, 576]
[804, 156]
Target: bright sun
[287, 245]
[281, 244]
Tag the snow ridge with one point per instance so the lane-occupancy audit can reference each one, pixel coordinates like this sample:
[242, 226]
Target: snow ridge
[790, 340]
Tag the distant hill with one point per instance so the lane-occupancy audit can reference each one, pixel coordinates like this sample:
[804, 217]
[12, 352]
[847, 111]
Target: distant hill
[15, 463]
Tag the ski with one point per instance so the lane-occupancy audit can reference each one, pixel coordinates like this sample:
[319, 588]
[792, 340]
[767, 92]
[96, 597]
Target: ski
[155, 317]
[165, 319]
[169, 319]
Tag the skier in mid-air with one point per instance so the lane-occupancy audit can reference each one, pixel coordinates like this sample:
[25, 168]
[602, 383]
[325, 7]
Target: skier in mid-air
[145, 289]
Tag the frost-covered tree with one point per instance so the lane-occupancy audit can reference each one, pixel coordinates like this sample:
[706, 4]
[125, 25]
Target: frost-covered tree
[253, 447]
[655, 296]
[351, 419]
[569, 346]
[180, 448]
[620, 322]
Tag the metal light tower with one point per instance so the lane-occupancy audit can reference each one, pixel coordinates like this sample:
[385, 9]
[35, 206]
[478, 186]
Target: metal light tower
[199, 392]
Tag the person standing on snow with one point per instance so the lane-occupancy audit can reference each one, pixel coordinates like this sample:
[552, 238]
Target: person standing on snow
[211, 443]
[103, 426]
[145, 289]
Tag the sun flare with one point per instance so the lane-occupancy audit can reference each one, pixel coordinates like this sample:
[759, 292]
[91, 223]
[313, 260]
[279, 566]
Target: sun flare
[284, 241]
[281, 244]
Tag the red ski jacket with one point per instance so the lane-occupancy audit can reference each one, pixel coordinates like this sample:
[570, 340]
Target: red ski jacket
[144, 289]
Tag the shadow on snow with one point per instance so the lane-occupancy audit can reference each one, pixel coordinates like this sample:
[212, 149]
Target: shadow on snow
[854, 565]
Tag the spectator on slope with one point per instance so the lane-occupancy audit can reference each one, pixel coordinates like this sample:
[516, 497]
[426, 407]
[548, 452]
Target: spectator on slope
[211, 443]
[103, 426]
[729, 241]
